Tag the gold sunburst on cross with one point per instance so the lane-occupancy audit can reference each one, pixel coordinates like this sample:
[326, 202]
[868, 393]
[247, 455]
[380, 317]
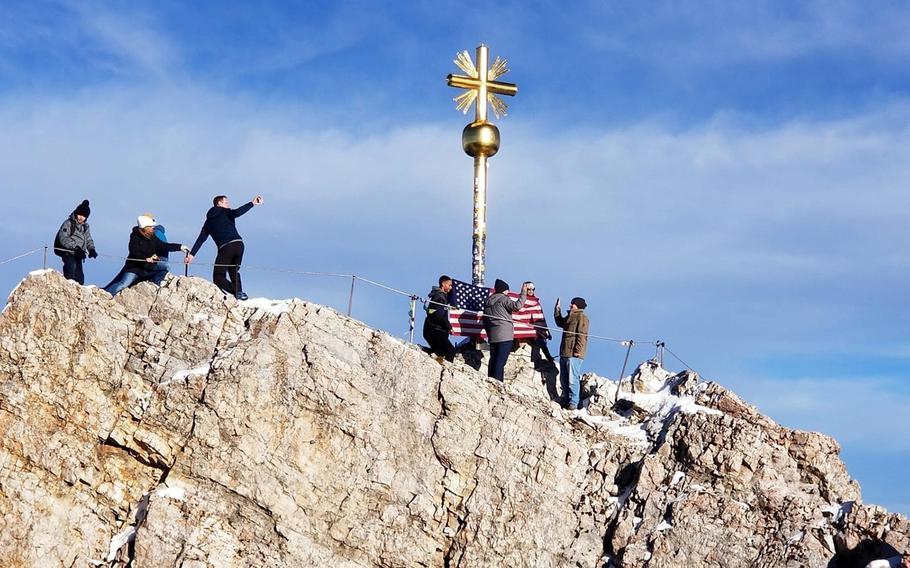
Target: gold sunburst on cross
[481, 84]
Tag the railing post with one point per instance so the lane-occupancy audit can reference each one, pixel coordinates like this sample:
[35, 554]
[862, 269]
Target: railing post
[351, 296]
[623, 372]
[45, 257]
[412, 317]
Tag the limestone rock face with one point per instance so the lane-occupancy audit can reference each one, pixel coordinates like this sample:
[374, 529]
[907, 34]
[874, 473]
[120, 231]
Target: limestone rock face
[174, 427]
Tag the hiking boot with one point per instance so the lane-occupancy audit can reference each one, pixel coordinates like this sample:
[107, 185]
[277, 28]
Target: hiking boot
[242, 296]
[571, 407]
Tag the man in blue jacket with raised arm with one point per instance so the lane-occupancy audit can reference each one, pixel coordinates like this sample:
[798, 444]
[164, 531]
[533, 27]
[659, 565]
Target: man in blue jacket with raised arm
[219, 224]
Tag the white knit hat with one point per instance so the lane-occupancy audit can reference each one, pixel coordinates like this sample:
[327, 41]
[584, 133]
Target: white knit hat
[146, 220]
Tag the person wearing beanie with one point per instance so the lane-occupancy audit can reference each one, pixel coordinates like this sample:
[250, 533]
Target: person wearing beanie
[572, 349]
[142, 260]
[219, 224]
[497, 319]
[74, 242]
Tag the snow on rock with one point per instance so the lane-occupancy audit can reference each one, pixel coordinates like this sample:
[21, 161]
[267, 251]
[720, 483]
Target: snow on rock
[677, 477]
[41, 272]
[183, 374]
[172, 492]
[119, 541]
[274, 307]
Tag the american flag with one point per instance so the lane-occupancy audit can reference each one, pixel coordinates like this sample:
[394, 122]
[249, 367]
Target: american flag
[466, 316]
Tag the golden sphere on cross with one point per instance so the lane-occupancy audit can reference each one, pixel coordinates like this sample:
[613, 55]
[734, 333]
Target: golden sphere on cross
[480, 139]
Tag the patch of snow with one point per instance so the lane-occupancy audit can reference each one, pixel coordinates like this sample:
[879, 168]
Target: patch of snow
[199, 317]
[40, 272]
[173, 492]
[623, 497]
[118, 541]
[838, 511]
[796, 537]
[663, 526]
[184, 374]
[621, 427]
[697, 487]
[677, 477]
[276, 307]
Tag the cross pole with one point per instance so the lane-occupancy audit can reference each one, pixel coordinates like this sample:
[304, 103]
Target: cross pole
[480, 139]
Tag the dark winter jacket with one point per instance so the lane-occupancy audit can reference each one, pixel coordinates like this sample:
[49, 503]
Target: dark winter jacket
[219, 223]
[437, 312]
[73, 236]
[141, 248]
[575, 333]
[498, 316]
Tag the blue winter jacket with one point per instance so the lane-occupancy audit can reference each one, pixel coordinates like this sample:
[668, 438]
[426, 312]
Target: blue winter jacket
[219, 223]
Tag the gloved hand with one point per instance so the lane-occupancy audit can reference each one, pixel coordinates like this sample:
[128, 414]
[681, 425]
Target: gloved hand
[184, 249]
[92, 253]
[79, 254]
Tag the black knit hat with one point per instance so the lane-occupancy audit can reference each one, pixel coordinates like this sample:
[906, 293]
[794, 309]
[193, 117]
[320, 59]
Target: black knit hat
[500, 286]
[83, 209]
[579, 303]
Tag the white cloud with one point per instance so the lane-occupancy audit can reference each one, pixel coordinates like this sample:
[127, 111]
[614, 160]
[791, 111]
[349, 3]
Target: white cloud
[132, 38]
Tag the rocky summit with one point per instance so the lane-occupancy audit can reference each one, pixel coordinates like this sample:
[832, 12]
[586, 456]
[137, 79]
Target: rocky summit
[175, 427]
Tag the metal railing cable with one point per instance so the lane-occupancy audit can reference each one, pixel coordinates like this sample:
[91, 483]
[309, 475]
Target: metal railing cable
[23, 255]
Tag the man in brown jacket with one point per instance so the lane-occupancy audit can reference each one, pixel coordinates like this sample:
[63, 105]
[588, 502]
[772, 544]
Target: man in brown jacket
[572, 349]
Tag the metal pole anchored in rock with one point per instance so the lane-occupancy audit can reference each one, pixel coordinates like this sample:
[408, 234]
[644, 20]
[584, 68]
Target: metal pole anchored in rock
[412, 319]
[351, 296]
[622, 373]
[480, 139]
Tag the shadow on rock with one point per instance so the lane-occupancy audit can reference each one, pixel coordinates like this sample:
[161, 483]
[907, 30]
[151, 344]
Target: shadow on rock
[863, 554]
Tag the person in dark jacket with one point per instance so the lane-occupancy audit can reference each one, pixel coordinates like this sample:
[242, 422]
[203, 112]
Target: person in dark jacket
[142, 261]
[572, 349]
[497, 312]
[74, 242]
[436, 326]
[219, 224]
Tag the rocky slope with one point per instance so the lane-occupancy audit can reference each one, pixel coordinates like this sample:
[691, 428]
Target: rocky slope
[173, 427]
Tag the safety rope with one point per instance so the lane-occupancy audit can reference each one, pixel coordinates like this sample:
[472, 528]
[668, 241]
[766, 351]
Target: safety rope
[23, 255]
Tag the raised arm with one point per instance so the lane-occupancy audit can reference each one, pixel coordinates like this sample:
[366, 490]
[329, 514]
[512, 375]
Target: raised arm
[234, 213]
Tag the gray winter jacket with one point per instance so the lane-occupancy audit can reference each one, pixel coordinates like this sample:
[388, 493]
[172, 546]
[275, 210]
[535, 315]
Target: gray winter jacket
[74, 236]
[499, 308]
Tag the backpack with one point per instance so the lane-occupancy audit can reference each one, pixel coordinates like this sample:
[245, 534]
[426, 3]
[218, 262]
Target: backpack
[59, 249]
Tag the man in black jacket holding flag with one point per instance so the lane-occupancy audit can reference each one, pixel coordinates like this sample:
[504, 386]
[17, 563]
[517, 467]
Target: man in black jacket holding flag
[437, 327]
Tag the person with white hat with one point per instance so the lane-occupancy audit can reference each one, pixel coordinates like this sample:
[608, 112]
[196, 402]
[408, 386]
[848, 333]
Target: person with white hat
[142, 262]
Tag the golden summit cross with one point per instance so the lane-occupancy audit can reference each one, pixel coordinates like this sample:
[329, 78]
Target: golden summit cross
[480, 139]
[481, 84]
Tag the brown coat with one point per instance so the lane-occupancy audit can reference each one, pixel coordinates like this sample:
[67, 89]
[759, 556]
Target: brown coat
[575, 333]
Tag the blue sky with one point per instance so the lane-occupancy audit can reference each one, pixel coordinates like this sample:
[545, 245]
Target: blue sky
[728, 177]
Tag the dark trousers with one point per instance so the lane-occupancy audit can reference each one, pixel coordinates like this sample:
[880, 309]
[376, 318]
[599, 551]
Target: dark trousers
[72, 268]
[439, 343]
[227, 263]
[541, 344]
[499, 354]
